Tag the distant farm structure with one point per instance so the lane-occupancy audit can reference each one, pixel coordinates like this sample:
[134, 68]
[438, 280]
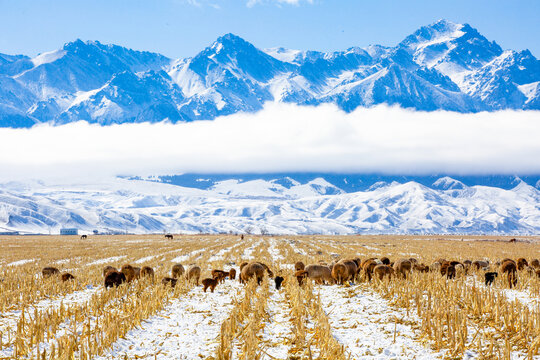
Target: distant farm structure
[69, 231]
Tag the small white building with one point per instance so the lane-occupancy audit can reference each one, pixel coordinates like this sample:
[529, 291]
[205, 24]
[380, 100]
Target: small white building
[69, 231]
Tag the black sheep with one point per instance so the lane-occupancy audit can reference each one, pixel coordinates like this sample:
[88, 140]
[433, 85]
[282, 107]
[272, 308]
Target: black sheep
[490, 277]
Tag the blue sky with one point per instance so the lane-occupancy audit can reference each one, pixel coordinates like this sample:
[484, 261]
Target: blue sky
[181, 28]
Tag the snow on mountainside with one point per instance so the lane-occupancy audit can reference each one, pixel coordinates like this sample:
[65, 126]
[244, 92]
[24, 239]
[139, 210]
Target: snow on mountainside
[278, 206]
[444, 65]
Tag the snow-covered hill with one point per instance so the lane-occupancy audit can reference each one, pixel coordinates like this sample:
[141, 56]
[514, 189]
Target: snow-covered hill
[440, 66]
[276, 206]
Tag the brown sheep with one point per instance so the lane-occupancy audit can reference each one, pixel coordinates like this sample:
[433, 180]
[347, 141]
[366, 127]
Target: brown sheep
[137, 271]
[49, 271]
[177, 270]
[300, 276]
[67, 276]
[253, 269]
[535, 263]
[368, 268]
[480, 264]
[129, 272]
[209, 283]
[193, 273]
[299, 266]
[522, 263]
[421, 267]
[114, 278]
[450, 272]
[219, 275]
[365, 261]
[402, 267]
[270, 273]
[352, 268]
[340, 273]
[380, 271]
[147, 271]
[385, 261]
[108, 269]
[232, 274]
[169, 281]
[509, 268]
[319, 273]
[242, 265]
[460, 269]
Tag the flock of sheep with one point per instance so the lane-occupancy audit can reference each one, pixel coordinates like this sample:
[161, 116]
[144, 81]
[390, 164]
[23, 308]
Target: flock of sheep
[345, 270]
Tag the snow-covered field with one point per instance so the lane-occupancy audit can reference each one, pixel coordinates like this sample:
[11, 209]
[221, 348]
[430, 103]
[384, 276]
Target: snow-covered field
[187, 329]
[365, 320]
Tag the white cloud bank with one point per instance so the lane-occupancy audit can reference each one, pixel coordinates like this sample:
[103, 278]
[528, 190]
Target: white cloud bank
[282, 137]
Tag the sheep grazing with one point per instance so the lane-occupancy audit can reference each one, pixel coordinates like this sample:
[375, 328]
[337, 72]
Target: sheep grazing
[194, 273]
[278, 280]
[268, 271]
[137, 272]
[368, 267]
[253, 269]
[67, 276]
[147, 271]
[169, 281]
[402, 267]
[114, 279]
[169, 236]
[177, 270]
[451, 272]
[107, 269]
[522, 264]
[480, 264]
[300, 276]
[421, 268]
[219, 275]
[489, 277]
[381, 270]
[352, 268]
[299, 266]
[84, 237]
[340, 273]
[318, 273]
[535, 263]
[49, 271]
[129, 272]
[232, 274]
[509, 268]
[209, 283]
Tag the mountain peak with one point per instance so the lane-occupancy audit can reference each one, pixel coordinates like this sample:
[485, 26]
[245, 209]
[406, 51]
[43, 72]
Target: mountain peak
[448, 183]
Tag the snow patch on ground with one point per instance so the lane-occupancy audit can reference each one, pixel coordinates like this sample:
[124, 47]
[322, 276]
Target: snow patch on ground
[188, 328]
[364, 323]
[8, 320]
[21, 262]
[107, 260]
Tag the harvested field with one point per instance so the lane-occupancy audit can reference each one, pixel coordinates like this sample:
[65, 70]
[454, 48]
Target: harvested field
[420, 315]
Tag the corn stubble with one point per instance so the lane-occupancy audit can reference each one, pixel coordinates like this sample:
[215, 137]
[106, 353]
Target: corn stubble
[453, 316]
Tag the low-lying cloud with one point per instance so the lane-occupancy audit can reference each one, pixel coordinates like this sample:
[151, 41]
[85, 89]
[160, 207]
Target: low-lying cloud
[282, 138]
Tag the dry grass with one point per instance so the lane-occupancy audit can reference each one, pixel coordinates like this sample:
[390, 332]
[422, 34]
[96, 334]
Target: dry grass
[453, 315]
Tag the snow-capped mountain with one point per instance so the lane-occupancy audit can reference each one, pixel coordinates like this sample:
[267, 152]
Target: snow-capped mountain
[444, 65]
[280, 205]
